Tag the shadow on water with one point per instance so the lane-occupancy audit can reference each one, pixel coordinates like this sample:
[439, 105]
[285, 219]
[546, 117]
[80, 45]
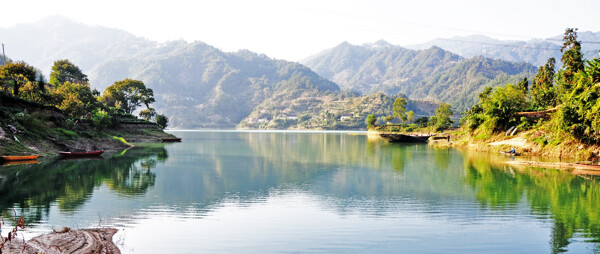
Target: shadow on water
[31, 189]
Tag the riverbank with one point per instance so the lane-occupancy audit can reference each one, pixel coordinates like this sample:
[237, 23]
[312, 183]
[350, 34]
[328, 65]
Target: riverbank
[30, 128]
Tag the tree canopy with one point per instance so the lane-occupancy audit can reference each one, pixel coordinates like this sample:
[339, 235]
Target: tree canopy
[65, 71]
[128, 94]
[15, 75]
[399, 109]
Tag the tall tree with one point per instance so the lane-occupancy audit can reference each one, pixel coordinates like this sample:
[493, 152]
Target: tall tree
[65, 71]
[442, 116]
[542, 88]
[572, 57]
[128, 94]
[399, 109]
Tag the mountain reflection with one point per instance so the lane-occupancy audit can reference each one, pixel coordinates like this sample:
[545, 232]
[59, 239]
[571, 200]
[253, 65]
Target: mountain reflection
[348, 174]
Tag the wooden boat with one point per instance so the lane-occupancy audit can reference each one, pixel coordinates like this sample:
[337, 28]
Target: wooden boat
[586, 166]
[19, 158]
[82, 154]
[171, 140]
[508, 153]
[404, 138]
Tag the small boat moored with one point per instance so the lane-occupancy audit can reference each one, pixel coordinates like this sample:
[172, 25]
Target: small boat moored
[509, 153]
[19, 158]
[171, 140]
[81, 154]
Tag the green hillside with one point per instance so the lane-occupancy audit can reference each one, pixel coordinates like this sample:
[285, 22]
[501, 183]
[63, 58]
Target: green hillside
[199, 86]
[433, 74]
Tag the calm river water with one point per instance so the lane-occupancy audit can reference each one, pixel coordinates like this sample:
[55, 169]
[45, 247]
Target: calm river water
[324, 192]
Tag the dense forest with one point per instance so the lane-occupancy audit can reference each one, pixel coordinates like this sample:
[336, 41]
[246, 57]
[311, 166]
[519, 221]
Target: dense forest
[558, 107]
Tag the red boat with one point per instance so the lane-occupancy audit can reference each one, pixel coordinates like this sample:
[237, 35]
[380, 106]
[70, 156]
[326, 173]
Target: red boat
[19, 158]
[81, 154]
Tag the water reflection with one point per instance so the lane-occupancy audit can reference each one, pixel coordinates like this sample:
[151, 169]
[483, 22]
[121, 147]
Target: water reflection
[31, 189]
[570, 200]
[349, 176]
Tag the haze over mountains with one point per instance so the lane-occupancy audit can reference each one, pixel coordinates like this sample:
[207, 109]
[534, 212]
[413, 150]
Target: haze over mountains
[535, 51]
[199, 86]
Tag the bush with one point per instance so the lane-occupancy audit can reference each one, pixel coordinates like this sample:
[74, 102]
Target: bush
[101, 119]
[162, 121]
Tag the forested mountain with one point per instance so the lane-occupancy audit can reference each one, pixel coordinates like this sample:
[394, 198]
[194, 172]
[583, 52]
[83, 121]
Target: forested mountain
[199, 86]
[54, 38]
[433, 74]
[535, 51]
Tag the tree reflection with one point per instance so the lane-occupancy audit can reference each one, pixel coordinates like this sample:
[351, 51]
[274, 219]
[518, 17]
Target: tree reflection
[70, 183]
[570, 200]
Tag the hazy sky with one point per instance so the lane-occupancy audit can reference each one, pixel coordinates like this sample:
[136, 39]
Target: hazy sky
[296, 29]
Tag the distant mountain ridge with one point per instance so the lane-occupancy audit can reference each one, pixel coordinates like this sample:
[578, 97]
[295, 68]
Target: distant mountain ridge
[536, 51]
[433, 74]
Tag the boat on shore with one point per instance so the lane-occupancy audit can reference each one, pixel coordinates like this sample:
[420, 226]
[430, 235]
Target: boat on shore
[19, 157]
[586, 166]
[166, 140]
[82, 154]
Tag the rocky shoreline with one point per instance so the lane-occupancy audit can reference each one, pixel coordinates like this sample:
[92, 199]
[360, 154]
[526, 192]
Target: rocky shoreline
[82, 241]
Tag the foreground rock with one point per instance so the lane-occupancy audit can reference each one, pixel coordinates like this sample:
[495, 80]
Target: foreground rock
[72, 241]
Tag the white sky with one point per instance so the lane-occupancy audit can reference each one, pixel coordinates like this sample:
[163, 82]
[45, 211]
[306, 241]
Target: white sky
[293, 30]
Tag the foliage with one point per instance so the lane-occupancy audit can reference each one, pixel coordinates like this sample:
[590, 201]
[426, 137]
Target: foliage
[580, 114]
[442, 117]
[399, 109]
[148, 114]
[15, 75]
[523, 85]
[101, 119]
[75, 100]
[162, 121]
[422, 121]
[64, 71]
[496, 110]
[572, 57]
[129, 93]
[543, 93]
[371, 120]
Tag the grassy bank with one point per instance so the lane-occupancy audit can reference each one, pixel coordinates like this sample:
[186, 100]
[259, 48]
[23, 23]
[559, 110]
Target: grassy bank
[535, 142]
[37, 131]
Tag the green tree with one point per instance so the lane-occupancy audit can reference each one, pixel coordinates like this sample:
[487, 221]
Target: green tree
[410, 115]
[65, 71]
[15, 75]
[75, 100]
[523, 85]
[572, 57]
[162, 121]
[371, 119]
[543, 93]
[128, 94]
[399, 109]
[442, 116]
[148, 114]
[422, 121]
[101, 119]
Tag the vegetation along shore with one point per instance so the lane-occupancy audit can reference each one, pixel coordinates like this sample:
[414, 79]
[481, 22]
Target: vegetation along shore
[554, 115]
